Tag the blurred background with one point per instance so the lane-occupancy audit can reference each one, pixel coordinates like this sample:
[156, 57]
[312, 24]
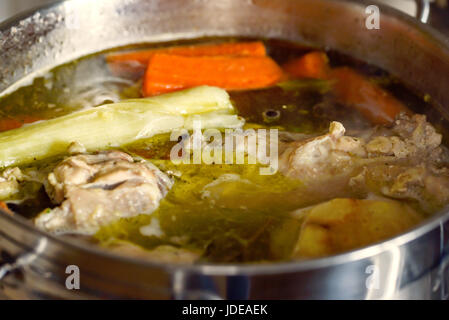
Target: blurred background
[439, 16]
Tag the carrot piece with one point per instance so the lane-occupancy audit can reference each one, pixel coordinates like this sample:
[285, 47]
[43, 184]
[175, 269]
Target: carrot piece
[313, 65]
[373, 102]
[14, 123]
[166, 73]
[250, 49]
[5, 208]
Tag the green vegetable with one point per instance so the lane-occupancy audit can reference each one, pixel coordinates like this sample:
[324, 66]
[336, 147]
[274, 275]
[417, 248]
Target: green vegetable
[117, 124]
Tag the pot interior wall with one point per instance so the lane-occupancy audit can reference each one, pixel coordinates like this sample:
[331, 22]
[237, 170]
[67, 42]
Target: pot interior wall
[77, 28]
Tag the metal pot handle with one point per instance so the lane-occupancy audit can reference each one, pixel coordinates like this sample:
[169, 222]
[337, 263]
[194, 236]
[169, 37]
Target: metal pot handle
[423, 10]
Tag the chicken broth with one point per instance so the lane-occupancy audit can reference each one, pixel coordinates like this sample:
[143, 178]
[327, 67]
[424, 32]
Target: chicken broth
[357, 161]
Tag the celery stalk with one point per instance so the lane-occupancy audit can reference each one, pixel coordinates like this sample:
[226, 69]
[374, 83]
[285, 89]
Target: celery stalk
[117, 124]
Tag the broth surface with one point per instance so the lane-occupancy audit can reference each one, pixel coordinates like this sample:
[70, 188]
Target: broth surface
[226, 212]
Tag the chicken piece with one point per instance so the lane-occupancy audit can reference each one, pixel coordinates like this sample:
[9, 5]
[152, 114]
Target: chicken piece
[86, 168]
[406, 161]
[344, 224]
[96, 189]
[319, 159]
[416, 184]
[417, 166]
[9, 182]
[410, 137]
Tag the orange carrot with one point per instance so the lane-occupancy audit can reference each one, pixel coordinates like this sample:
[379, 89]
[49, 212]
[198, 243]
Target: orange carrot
[313, 65]
[13, 123]
[373, 102]
[166, 73]
[5, 208]
[250, 49]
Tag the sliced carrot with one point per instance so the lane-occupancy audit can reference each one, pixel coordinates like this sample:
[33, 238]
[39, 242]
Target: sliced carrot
[373, 102]
[166, 73]
[250, 49]
[133, 64]
[5, 208]
[13, 123]
[314, 65]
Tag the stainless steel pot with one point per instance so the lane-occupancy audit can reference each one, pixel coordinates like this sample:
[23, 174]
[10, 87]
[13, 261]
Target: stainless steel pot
[411, 265]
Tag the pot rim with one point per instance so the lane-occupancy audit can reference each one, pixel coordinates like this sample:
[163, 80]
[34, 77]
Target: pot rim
[429, 224]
